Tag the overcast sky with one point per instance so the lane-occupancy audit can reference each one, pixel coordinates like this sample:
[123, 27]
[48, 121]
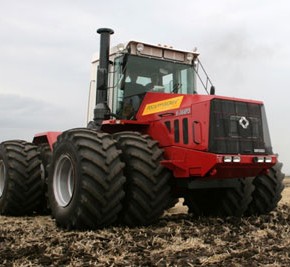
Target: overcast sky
[46, 48]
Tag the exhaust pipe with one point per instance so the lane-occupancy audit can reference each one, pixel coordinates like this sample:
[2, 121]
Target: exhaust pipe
[102, 111]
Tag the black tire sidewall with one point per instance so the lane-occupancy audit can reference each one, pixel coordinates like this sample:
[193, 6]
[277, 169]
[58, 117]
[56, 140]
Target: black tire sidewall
[63, 214]
[3, 197]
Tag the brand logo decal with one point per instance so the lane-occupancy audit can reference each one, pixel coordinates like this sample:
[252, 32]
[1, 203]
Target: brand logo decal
[164, 105]
[244, 122]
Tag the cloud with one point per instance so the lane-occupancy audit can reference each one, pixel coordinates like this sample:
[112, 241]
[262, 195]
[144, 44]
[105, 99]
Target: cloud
[25, 116]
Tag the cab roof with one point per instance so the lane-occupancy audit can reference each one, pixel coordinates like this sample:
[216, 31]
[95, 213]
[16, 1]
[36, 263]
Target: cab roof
[149, 50]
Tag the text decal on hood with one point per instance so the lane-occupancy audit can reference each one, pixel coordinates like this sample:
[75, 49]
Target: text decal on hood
[164, 105]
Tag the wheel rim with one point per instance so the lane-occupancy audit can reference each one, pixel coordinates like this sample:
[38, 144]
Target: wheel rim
[63, 180]
[2, 177]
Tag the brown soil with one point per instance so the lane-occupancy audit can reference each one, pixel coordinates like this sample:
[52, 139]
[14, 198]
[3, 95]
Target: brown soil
[176, 240]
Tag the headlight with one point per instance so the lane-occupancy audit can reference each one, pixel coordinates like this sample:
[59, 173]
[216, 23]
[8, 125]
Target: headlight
[258, 159]
[236, 159]
[268, 159]
[227, 158]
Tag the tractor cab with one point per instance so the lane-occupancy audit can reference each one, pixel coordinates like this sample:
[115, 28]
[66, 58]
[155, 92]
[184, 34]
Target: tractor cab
[137, 68]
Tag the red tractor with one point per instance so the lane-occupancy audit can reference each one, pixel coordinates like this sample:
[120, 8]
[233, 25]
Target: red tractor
[151, 140]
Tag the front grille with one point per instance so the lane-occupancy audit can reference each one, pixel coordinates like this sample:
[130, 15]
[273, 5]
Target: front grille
[238, 128]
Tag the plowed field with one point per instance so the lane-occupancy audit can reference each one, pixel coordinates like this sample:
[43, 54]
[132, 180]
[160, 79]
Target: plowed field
[176, 240]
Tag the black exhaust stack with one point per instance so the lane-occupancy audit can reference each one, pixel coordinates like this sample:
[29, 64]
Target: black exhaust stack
[102, 111]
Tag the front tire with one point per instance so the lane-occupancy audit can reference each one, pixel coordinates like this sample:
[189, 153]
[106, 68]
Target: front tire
[147, 186]
[20, 178]
[86, 180]
[268, 191]
[222, 202]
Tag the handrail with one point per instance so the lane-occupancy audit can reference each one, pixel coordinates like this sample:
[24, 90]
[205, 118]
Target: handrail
[207, 82]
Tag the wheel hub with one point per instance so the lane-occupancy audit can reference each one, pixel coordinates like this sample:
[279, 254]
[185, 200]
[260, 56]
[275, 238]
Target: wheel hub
[2, 177]
[63, 180]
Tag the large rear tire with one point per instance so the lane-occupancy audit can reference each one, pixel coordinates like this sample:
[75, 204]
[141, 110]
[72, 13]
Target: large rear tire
[20, 178]
[147, 186]
[226, 201]
[268, 191]
[86, 180]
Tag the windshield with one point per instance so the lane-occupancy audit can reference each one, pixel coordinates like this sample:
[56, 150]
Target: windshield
[134, 76]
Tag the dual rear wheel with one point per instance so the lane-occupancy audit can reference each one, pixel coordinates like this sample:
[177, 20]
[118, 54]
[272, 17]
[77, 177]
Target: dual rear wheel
[20, 178]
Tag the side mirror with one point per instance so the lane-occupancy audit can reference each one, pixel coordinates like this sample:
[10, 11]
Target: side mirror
[212, 90]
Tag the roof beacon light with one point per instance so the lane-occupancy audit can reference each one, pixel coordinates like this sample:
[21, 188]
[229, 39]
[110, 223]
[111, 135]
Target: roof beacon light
[140, 47]
[189, 57]
[120, 47]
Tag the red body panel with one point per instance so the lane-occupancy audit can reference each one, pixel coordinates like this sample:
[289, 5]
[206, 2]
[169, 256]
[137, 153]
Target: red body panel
[192, 163]
[187, 158]
[46, 137]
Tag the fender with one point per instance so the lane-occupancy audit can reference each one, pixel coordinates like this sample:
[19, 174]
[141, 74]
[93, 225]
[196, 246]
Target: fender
[46, 138]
